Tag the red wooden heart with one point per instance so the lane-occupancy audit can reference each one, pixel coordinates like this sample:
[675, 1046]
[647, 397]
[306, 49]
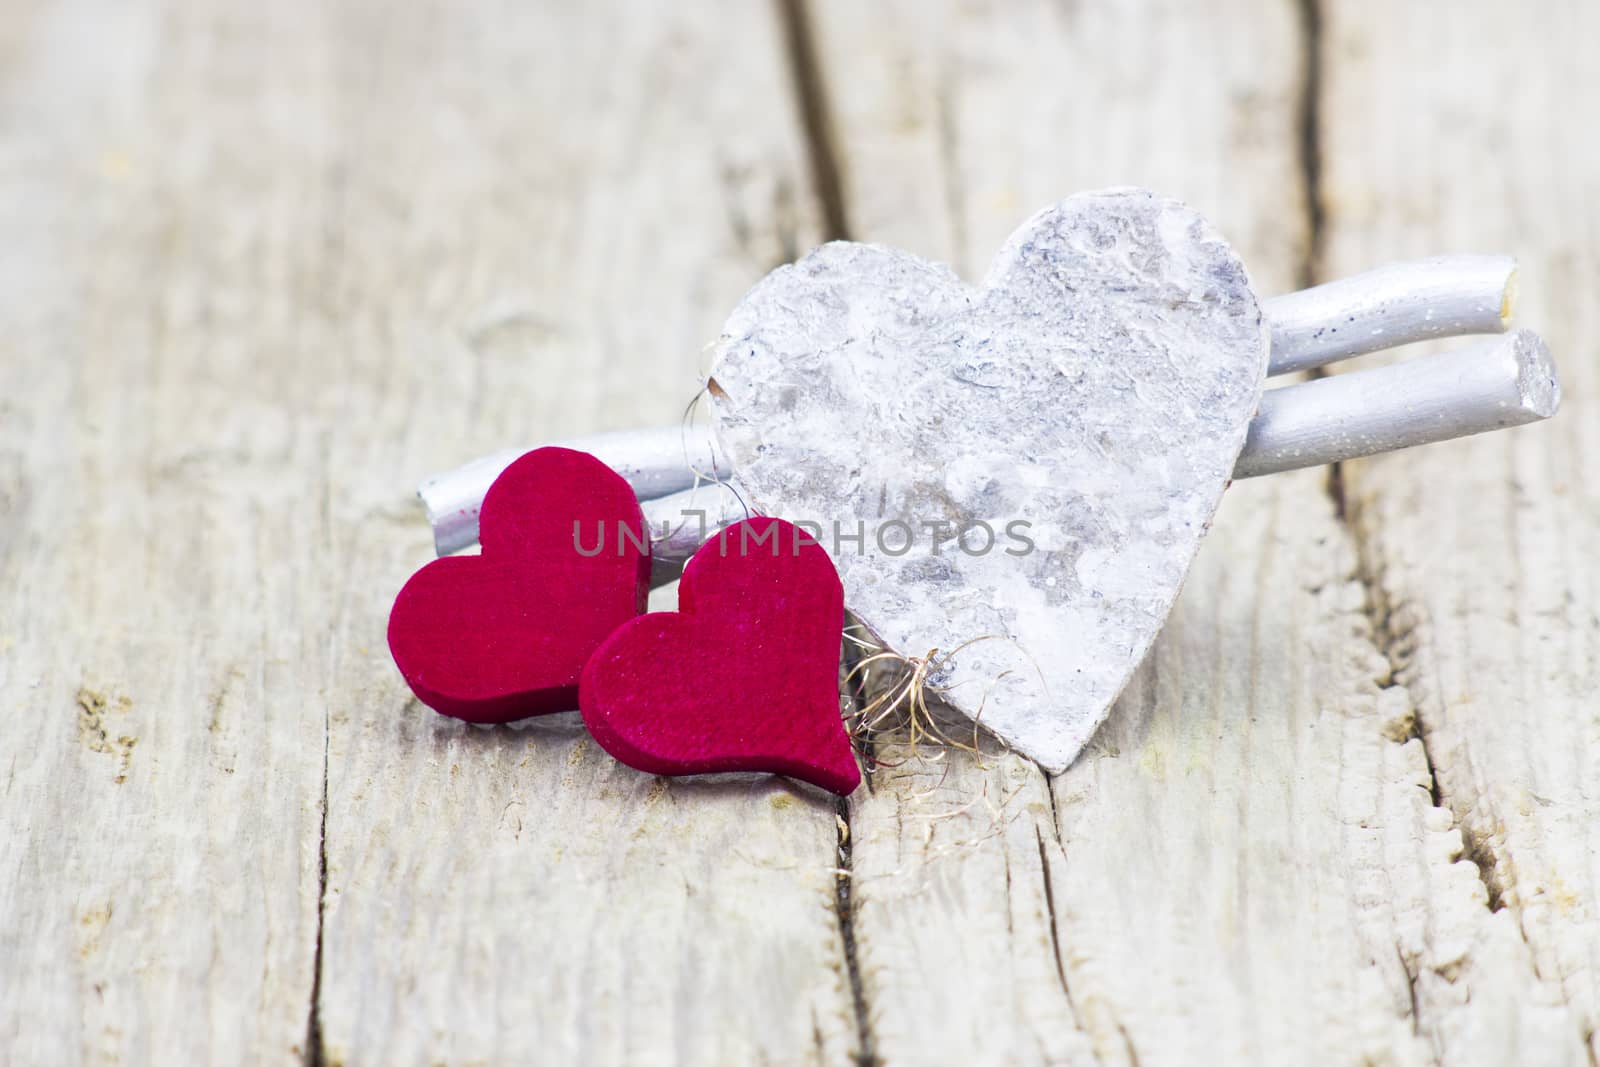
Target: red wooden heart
[744, 677]
[505, 634]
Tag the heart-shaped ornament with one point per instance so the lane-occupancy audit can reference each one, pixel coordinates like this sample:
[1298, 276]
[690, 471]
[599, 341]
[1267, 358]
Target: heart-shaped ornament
[505, 634]
[1075, 419]
[743, 677]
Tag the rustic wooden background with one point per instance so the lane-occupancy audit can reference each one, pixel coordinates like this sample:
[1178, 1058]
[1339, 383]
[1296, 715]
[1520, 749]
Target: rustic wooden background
[265, 265]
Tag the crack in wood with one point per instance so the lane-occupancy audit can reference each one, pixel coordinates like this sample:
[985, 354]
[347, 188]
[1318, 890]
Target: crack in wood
[852, 694]
[1392, 633]
[1050, 908]
[315, 1053]
[1050, 905]
[1394, 639]
[1055, 932]
[844, 909]
[816, 117]
[1310, 140]
[1127, 1045]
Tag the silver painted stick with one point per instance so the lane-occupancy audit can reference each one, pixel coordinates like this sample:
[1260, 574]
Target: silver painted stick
[1496, 384]
[1395, 305]
[1501, 383]
[681, 522]
[1491, 386]
[655, 462]
[1298, 426]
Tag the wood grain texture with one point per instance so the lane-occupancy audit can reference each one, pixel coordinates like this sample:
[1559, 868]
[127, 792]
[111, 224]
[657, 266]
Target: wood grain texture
[163, 562]
[1480, 555]
[265, 266]
[548, 213]
[1248, 864]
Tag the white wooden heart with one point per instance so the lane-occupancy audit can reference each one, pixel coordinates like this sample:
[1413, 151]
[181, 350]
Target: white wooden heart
[1096, 387]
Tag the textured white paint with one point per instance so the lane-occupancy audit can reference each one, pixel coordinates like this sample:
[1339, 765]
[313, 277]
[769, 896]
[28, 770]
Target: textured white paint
[1096, 387]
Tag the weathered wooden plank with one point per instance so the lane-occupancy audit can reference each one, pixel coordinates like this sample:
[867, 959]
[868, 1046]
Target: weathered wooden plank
[163, 565]
[266, 265]
[546, 216]
[1260, 822]
[1247, 866]
[1481, 555]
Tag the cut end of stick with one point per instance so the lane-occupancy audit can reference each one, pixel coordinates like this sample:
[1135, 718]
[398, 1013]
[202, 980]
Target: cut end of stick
[452, 501]
[1508, 299]
[1538, 385]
